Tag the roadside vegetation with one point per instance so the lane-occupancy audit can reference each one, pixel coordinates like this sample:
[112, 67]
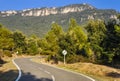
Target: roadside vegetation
[8, 71]
[96, 42]
[98, 72]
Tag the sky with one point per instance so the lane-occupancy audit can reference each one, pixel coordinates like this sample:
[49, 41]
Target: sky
[26, 4]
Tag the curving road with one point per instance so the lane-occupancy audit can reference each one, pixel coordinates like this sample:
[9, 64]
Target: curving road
[32, 71]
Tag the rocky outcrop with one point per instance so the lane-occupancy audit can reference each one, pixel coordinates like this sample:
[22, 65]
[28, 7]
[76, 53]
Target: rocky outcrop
[48, 11]
[39, 12]
[8, 13]
[62, 10]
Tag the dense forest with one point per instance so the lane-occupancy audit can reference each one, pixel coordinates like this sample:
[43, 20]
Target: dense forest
[96, 41]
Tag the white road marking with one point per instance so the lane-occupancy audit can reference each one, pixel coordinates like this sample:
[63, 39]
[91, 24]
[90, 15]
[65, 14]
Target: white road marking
[47, 72]
[53, 78]
[71, 72]
[20, 73]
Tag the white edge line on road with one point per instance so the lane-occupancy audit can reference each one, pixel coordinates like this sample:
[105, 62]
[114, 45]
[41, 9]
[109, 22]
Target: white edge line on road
[20, 73]
[70, 71]
[53, 77]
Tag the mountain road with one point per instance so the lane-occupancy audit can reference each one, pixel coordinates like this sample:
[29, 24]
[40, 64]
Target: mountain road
[31, 71]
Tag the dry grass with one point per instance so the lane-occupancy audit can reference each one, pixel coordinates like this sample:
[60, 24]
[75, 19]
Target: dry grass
[8, 71]
[98, 72]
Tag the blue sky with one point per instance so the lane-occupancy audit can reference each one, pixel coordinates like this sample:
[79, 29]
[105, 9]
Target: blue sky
[25, 4]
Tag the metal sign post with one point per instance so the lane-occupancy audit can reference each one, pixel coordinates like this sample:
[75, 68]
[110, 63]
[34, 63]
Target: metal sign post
[64, 52]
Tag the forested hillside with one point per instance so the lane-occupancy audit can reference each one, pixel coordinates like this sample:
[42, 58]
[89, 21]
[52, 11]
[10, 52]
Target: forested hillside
[96, 42]
[31, 23]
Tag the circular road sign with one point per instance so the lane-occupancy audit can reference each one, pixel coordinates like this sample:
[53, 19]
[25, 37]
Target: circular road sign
[64, 52]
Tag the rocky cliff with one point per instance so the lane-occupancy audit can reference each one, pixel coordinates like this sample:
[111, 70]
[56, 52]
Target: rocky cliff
[48, 11]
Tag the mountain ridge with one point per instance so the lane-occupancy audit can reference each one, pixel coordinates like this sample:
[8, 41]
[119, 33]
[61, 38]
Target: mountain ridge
[47, 11]
[40, 24]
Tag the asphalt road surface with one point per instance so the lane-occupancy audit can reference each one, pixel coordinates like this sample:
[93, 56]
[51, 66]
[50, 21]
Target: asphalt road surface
[32, 71]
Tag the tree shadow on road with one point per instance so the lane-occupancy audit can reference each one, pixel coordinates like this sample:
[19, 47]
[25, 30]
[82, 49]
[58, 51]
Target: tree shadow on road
[29, 77]
[8, 75]
[12, 75]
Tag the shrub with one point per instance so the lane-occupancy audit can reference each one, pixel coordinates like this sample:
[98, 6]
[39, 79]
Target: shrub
[76, 58]
[7, 53]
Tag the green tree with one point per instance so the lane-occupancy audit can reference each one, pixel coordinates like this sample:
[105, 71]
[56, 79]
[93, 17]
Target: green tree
[112, 41]
[19, 41]
[42, 43]
[6, 41]
[73, 41]
[52, 38]
[72, 24]
[32, 45]
[96, 33]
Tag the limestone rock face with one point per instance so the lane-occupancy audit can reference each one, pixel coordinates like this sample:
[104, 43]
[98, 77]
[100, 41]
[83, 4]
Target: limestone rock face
[48, 11]
[8, 13]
